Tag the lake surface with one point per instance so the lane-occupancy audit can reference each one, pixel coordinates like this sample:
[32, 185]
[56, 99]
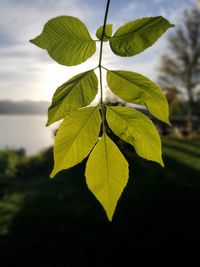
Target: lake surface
[24, 131]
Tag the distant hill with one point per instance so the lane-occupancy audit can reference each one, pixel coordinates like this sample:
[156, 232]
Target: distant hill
[24, 107]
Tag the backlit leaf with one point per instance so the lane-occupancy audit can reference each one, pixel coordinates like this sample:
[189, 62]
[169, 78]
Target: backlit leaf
[106, 173]
[136, 129]
[75, 138]
[108, 32]
[77, 92]
[41, 41]
[135, 36]
[67, 40]
[138, 89]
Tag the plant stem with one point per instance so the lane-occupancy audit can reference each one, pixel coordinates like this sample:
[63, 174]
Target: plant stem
[100, 66]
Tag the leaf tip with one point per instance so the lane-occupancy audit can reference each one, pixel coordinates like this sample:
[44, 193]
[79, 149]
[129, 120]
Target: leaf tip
[171, 25]
[48, 123]
[110, 215]
[109, 218]
[52, 174]
[166, 120]
[34, 41]
[169, 123]
[161, 162]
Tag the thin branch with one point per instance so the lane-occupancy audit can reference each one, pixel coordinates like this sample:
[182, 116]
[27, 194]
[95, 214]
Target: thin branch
[100, 66]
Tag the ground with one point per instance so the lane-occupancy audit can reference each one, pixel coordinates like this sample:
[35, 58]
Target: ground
[58, 222]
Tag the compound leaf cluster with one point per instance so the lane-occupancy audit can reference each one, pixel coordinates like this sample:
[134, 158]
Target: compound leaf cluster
[83, 131]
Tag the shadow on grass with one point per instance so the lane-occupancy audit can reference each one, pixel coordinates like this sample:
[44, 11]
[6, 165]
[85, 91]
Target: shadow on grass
[61, 223]
[185, 150]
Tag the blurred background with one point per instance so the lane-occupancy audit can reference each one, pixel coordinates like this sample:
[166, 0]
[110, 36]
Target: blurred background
[58, 222]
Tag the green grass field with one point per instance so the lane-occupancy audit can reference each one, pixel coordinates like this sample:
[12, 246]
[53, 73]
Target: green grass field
[54, 223]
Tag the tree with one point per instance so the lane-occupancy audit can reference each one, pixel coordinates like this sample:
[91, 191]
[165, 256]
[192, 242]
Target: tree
[174, 100]
[180, 65]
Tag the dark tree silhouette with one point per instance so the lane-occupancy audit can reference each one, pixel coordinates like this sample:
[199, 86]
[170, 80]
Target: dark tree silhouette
[180, 65]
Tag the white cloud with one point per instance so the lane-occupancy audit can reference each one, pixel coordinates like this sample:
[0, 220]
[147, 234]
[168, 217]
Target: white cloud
[24, 20]
[28, 72]
[23, 66]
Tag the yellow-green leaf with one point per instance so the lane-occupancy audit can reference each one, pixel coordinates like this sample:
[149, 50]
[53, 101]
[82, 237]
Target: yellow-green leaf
[136, 129]
[41, 41]
[135, 36]
[77, 92]
[75, 138]
[106, 173]
[138, 89]
[107, 34]
[67, 40]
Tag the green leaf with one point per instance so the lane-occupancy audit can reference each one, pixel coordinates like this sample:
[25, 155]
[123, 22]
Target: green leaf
[138, 89]
[108, 32]
[75, 138]
[136, 129]
[135, 36]
[107, 173]
[77, 92]
[67, 40]
[41, 41]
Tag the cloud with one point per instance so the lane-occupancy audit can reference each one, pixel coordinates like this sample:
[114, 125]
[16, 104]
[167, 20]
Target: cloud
[28, 72]
[22, 64]
[25, 19]
[158, 1]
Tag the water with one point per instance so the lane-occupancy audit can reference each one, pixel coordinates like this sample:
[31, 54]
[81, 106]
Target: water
[23, 131]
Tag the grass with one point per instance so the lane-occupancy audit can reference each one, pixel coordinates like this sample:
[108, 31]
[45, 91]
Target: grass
[54, 223]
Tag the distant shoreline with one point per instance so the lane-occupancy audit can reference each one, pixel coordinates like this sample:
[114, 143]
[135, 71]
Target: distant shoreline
[8, 107]
[23, 114]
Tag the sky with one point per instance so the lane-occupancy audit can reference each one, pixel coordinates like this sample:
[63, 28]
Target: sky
[28, 73]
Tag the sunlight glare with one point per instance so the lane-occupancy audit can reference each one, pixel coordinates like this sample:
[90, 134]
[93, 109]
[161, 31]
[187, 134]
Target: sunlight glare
[55, 75]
